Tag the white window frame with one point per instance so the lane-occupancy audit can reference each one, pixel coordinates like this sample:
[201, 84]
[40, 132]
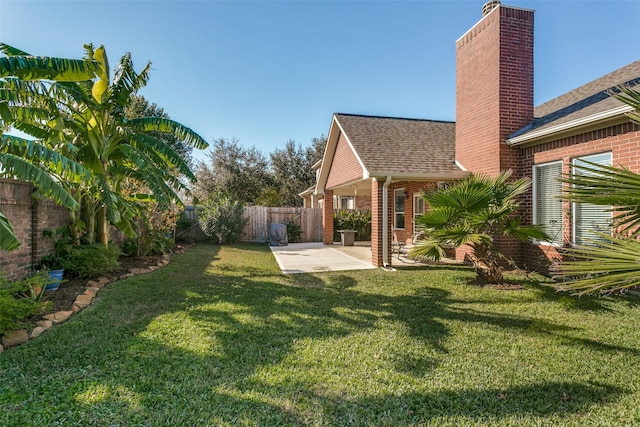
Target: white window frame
[417, 199]
[396, 213]
[574, 206]
[534, 199]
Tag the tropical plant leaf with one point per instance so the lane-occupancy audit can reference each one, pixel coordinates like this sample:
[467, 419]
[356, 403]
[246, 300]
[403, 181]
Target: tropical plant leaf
[611, 264]
[27, 67]
[8, 239]
[428, 249]
[17, 167]
[607, 185]
[160, 124]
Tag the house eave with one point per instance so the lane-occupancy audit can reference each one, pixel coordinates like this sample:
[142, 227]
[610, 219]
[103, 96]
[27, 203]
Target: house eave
[412, 176]
[583, 124]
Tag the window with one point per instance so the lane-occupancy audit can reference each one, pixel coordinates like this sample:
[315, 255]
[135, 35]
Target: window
[399, 208]
[588, 218]
[344, 202]
[418, 209]
[547, 205]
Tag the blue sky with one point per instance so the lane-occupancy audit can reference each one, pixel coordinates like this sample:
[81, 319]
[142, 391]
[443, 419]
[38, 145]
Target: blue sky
[265, 72]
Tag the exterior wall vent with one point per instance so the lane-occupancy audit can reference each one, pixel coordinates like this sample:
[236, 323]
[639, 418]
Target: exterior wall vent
[489, 6]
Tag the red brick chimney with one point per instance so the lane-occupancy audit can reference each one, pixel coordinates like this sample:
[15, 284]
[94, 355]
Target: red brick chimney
[494, 87]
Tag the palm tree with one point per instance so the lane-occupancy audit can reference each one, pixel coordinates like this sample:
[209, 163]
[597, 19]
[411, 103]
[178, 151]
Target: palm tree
[610, 262]
[470, 213]
[90, 125]
[21, 83]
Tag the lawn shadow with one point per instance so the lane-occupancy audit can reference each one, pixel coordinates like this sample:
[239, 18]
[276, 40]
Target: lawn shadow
[139, 370]
[464, 406]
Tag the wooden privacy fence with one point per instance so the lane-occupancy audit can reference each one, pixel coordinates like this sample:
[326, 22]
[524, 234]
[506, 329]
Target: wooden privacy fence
[259, 218]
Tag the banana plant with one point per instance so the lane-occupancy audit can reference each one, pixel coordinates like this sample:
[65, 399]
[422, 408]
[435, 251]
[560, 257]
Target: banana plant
[89, 125]
[24, 95]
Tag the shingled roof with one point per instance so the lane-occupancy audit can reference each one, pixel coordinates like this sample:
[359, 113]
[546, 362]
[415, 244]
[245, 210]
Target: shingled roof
[400, 146]
[575, 107]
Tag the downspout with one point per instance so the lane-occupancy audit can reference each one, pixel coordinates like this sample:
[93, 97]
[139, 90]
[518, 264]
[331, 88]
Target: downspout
[385, 222]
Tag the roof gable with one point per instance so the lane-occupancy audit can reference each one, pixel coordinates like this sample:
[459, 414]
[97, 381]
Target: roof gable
[391, 146]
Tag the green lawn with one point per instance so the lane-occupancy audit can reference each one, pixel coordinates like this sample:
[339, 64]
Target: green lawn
[219, 337]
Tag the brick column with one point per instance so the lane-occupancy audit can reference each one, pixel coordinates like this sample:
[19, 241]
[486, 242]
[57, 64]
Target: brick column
[327, 218]
[376, 223]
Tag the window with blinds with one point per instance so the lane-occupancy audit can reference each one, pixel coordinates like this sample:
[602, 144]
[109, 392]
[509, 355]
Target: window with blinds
[399, 208]
[418, 209]
[547, 204]
[588, 218]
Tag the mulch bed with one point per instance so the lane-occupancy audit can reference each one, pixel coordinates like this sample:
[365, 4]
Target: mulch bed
[63, 298]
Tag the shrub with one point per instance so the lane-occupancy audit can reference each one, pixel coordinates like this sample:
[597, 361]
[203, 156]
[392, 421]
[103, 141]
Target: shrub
[359, 220]
[221, 218]
[88, 261]
[20, 300]
[294, 232]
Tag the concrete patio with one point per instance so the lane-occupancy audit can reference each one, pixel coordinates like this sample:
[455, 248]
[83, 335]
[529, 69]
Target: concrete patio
[316, 257]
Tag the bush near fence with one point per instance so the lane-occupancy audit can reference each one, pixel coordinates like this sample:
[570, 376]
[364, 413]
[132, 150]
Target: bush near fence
[259, 218]
[359, 220]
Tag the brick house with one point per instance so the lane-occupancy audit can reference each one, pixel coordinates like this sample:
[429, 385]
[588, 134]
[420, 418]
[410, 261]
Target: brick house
[348, 201]
[497, 128]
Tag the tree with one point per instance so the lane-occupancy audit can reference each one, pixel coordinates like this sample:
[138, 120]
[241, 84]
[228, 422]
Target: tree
[610, 261]
[292, 170]
[233, 169]
[87, 121]
[23, 79]
[470, 213]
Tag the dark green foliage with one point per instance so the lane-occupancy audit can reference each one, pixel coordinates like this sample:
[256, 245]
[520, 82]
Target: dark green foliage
[359, 220]
[20, 299]
[89, 261]
[294, 232]
[221, 218]
[61, 247]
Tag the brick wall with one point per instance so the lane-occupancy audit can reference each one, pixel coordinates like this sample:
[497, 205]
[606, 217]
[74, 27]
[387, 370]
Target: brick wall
[363, 203]
[412, 188]
[29, 218]
[345, 166]
[623, 141]
[327, 218]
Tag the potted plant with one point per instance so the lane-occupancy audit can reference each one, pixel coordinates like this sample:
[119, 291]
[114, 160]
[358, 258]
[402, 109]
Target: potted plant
[54, 262]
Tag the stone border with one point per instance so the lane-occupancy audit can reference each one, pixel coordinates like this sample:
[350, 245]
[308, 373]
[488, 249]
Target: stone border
[17, 337]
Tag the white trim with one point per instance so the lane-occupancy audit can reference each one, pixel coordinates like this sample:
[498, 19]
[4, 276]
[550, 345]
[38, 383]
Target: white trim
[461, 166]
[385, 221]
[417, 196]
[412, 176]
[536, 134]
[534, 199]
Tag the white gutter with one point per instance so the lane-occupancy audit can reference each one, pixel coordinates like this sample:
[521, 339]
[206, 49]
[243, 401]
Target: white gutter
[584, 121]
[385, 222]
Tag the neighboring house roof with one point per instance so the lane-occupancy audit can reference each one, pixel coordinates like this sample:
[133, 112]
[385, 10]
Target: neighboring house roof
[396, 147]
[582, 107]
[309, 191]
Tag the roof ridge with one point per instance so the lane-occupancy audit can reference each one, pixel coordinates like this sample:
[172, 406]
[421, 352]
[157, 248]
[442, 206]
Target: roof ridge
[393, 118]
[592, 86]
